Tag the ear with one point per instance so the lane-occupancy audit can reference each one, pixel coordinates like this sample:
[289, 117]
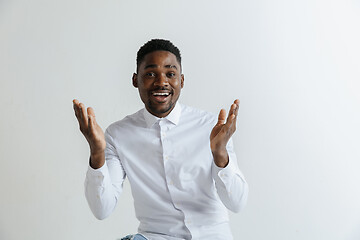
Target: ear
[182, 80]
[134, 80]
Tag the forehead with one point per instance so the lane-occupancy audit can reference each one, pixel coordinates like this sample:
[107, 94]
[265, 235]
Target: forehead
[159, 59]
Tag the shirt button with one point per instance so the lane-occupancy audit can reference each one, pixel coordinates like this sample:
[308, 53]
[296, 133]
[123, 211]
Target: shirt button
[171, 182]
[163, 134]
[166, 157]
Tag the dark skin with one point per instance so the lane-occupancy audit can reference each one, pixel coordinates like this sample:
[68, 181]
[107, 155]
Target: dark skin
[159, 73]
[159, 82]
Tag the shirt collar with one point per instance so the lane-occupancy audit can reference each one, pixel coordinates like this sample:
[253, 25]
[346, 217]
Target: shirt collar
[173, 116]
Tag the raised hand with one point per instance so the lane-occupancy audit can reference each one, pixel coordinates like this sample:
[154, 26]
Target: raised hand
[92, 132]
[222, 132]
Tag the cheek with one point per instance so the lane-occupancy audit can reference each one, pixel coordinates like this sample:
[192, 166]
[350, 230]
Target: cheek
[143, 92]
[177, 84]
[144, 86]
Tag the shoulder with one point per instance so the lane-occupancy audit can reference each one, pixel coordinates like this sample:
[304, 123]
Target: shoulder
[192, 114]
[127, 123]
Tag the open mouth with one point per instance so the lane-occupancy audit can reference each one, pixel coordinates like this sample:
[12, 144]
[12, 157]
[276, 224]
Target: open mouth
[161, 96]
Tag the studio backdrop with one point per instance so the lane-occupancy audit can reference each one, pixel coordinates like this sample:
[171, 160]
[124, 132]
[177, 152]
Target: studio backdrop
[294, 65]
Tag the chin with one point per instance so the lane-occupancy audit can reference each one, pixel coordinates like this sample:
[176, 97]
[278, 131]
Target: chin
[161, 109]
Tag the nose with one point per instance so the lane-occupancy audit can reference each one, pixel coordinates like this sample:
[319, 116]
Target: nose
[161, 80]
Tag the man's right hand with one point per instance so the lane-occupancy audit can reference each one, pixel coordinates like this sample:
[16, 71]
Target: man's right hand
[92, 132]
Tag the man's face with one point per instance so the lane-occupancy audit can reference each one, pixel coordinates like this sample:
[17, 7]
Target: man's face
[159, 81]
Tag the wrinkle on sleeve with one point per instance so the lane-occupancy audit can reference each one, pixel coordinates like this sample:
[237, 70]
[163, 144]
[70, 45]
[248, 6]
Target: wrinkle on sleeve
[230, 183]
[104, 185]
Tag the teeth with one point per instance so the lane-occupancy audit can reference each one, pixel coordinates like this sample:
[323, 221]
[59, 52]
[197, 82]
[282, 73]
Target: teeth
[161, 94]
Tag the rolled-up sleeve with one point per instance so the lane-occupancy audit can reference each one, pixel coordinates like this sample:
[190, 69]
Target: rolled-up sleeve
[104, 185]
[230, 183]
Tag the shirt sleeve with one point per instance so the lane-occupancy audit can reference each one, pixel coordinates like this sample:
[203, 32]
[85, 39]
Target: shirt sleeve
[104, 185]
[230, 182]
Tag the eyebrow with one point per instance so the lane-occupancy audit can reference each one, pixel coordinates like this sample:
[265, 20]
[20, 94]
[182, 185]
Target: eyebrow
[155, 66]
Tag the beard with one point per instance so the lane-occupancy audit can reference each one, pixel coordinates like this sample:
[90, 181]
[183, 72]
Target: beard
[160, 110]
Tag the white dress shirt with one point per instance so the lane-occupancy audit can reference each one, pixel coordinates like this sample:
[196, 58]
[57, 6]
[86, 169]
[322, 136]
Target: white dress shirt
[178, 191]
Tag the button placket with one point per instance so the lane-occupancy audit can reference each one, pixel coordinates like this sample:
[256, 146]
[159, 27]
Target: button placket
[163, 134]
[165, 156]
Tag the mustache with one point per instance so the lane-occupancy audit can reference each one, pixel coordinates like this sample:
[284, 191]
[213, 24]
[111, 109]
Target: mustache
[162, 89]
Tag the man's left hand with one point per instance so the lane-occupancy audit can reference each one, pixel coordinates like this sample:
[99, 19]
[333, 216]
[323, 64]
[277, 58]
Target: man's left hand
[222, 132]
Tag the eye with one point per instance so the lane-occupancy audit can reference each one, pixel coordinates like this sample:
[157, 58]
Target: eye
[150, 74]
[171, 74]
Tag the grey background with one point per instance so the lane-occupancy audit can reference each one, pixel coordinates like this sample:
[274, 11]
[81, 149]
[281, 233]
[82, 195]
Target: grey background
[294, 65]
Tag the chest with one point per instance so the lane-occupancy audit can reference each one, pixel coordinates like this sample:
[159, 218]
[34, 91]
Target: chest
[181, 153]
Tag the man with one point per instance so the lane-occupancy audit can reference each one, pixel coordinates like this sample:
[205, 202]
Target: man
[179, 160]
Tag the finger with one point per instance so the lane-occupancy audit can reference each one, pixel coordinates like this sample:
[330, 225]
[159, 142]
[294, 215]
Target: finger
[222, 116]
[90, 111]
[237, 102]
[77, 110]
[76, 107]
[231, 120]
[234, 109]
[83, 116]
[91, 124]
[231, 115]
[83, 112]
[91, 117]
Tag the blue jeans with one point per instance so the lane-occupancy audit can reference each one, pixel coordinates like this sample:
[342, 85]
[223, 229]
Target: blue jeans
[134, 237]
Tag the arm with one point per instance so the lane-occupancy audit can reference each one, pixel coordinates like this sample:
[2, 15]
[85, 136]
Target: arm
[104, 185]
[103, 182]
[92, 132]
[229, 181]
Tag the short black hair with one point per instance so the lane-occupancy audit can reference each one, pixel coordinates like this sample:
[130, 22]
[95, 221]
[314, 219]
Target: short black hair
[157, 45]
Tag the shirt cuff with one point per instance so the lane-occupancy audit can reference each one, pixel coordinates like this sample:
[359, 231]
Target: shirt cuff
[97, 176]
[226, 174]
